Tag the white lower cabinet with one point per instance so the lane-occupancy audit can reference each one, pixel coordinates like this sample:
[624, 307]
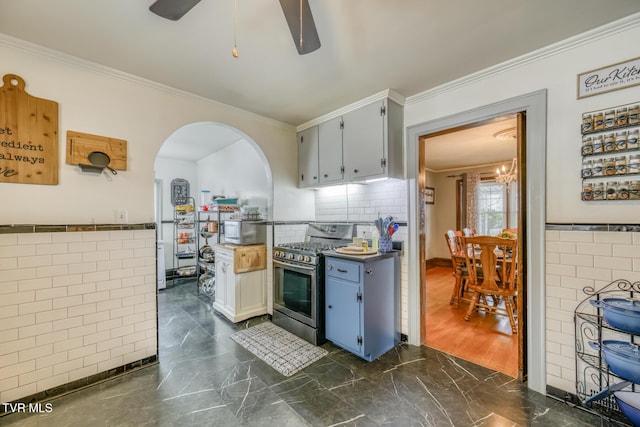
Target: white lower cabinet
[239, 296]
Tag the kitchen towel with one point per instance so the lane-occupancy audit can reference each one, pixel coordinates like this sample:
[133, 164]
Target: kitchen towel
[280, 349]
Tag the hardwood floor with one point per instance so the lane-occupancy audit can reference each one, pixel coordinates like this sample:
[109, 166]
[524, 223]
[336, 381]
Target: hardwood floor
[485, 339]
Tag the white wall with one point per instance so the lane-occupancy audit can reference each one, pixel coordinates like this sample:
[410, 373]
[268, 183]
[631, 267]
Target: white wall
[101, 101]
[555, 68]
[236, 171]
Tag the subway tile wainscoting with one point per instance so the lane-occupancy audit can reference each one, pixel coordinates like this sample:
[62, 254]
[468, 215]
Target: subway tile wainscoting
[578, 256]
[205, 379]
[78, 303]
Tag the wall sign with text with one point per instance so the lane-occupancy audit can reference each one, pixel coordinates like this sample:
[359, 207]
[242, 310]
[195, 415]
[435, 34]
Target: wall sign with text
[28, 135]
[612, 77]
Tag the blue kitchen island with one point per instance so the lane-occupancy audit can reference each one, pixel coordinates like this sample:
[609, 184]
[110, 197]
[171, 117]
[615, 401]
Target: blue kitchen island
[361, 299]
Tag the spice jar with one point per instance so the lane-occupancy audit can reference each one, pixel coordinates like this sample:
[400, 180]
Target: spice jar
[621, 116]
[634, 190]
[587, 169]
[611, 190]
[597, 145]
[621, 165]
[623, 190]
[587, 146]
[598, 121]
[633, 115]
[609, 166]
[634, 164]
[621, 141]
[609, 119]
[632, 140]
[598, 191]
[597, 168]
[587, 191]
[587, 123]
[609, 143]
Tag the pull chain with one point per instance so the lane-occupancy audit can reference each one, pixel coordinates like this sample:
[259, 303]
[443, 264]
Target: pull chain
[234, 52]
[300, 24]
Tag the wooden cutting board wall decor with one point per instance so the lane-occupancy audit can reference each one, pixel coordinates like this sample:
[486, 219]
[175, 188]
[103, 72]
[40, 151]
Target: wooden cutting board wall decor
[28, 135]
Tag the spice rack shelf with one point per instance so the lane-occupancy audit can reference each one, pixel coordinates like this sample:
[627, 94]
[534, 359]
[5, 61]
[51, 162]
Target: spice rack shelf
[611, 154]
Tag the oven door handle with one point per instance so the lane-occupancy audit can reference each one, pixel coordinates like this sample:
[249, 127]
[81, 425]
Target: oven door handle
[293, 266]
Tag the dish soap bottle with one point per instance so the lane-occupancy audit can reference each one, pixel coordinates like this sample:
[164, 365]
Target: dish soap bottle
[375, 240]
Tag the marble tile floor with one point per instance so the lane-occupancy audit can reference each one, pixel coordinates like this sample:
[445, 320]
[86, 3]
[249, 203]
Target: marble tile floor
[203, 378]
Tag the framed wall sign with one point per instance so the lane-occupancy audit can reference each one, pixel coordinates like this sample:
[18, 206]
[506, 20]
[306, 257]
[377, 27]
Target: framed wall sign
[612, 77]
[179, 191]
[429, 195]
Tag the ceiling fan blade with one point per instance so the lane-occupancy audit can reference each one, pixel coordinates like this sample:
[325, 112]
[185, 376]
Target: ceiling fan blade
[172, 9]
[310, 39]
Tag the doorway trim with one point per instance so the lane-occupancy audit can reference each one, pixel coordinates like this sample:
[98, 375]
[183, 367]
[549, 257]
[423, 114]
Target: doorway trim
[535, 106]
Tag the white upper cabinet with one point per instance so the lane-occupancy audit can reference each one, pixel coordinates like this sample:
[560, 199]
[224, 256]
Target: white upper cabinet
[363, 143]
[308, 157]
[330, 147]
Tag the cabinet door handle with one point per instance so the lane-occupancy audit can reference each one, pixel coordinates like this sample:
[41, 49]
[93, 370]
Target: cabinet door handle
[342, 270]
[326, 175]
[355, 171]
[329, 306]
[315, 177]
[329, 267]
[370, 271]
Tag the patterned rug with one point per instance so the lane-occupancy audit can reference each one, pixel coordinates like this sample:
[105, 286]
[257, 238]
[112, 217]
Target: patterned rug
[280, 349]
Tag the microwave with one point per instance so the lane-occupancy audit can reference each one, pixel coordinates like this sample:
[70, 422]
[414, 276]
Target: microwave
[239, 232]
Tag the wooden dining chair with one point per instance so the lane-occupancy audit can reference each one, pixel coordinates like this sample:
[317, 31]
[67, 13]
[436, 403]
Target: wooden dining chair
[497, 258]
[458, 261]
[469, 232]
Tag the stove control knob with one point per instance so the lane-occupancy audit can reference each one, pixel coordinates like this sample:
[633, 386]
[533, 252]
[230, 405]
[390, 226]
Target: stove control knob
[300, 258]
[307, 258]
[291, 256]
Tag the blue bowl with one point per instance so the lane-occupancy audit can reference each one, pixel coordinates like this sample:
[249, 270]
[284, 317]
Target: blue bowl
[621, 313]
[629, 404]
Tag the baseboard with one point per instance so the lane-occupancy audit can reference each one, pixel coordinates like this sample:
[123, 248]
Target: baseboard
[439, 262]
[80, 384]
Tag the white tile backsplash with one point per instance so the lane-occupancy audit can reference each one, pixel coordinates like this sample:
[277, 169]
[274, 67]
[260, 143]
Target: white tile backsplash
[66, 294]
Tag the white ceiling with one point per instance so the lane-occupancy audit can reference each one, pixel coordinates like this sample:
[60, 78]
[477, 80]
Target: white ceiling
[472, 146]
[367, 45]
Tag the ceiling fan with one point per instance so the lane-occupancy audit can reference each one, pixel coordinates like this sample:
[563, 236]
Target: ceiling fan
[297, 13]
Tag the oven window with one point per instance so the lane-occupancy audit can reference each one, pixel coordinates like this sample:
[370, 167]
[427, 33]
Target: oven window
[296, 292]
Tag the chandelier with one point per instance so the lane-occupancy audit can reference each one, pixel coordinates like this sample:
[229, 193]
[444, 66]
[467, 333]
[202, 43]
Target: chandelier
[506, 178]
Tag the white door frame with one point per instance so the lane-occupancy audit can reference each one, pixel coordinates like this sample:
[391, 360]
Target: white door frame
[535, 106]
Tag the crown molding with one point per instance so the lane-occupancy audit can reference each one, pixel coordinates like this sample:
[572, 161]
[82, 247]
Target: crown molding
[589, 36]
[74, 61]
[387, 93]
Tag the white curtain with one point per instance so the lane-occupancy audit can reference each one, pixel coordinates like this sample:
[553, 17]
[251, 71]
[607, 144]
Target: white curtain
[472, 181]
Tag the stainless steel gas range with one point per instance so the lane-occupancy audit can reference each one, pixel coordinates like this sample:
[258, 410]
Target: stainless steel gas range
[298, 280]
